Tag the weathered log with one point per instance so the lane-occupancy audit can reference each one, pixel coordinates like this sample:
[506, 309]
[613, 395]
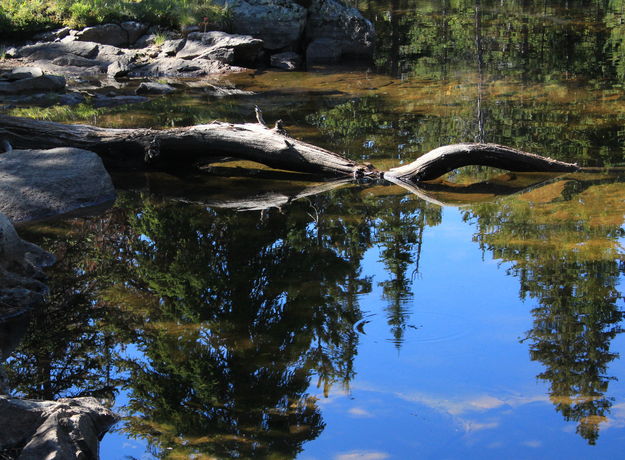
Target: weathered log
[249, 141]
[256, 142]
[447, 158]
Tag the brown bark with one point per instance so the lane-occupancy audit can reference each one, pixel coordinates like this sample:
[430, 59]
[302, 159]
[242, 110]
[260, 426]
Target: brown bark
[255, 142]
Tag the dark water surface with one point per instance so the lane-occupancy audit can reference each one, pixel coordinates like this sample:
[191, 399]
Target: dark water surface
[479, 318]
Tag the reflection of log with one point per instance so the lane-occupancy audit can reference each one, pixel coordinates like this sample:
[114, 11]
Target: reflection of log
[258, 143]
[444, 159]
[267, 200]
[457, 195]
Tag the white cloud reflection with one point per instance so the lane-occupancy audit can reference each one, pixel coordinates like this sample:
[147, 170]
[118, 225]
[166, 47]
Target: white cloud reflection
[362, 455]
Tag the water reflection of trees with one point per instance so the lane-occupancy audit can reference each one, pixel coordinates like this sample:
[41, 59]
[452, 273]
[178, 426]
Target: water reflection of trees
[214, 322]
[565, 252]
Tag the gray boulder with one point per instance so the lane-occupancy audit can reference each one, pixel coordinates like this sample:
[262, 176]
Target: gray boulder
[175, 67]
[75, 61]
[324, 51]
[134, 30]
[114, 101]
[120, 67]
[49, 51]
[36, 184]
[20, 73]
[27, 85]
[334, 20]
[120, 35]
[286, 61]
[69, 428]
[51, 35]
[171, 47]
[279, 23]
[242, 50]
[154, 88]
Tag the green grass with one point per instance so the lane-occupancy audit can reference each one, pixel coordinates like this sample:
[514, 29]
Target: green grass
[23, 17]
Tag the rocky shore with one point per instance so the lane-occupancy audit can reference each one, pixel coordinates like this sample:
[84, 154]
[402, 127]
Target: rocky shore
[281, 34]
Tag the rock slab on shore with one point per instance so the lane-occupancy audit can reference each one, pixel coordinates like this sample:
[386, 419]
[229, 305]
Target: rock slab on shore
[36, 184]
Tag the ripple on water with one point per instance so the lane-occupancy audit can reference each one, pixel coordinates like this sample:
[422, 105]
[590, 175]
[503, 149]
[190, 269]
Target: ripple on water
[421, 326]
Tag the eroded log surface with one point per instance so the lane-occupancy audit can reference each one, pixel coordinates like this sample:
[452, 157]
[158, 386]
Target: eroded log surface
[249, 141]
[256, 142]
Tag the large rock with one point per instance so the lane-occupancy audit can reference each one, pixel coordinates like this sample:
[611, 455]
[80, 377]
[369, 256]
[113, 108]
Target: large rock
[175, 67]
[122, 35]
[171, 47]
[76, 61]
[279, 23]
[20, 73]
[134, 31]
[120, 67]
[65, 429]
[28, 85]
[333, 20]
[52, 35]
[49, 51]
[324, 51]
[35, 184]
[239, 50]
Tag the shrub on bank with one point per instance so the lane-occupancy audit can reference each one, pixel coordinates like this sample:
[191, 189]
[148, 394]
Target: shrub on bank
[23, 17]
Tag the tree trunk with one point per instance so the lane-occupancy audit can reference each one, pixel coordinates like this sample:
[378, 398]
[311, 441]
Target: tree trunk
[256, 142]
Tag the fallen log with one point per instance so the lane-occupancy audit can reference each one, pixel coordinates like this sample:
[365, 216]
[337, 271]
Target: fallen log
[449, 157]
[256, 142]
[195, 144]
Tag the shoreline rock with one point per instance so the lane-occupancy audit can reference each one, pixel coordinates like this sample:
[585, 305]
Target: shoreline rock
[325, 31]
[38, 184]
[69, 428]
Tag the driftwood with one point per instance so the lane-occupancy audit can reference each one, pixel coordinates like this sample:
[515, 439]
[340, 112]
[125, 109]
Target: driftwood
[447, 158]
[256, 142]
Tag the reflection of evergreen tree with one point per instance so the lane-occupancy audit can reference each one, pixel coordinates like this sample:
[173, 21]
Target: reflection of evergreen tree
[570, 265]
[573, 327]
[399, 231]
[265, 303]
[232, 315]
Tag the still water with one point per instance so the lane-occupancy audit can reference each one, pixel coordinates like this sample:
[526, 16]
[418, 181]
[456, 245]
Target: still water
[479, 318]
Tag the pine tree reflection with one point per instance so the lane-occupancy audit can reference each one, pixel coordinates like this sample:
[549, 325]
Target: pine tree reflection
[564, 249]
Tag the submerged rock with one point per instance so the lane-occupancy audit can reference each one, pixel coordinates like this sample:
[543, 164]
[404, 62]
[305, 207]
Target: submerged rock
[154, 88]
[36, 184]
[69, 428]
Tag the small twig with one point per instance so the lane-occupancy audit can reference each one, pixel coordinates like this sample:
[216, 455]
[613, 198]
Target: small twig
[259, 116]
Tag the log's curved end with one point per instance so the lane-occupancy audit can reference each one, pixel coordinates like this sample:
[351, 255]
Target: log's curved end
[447, 158]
